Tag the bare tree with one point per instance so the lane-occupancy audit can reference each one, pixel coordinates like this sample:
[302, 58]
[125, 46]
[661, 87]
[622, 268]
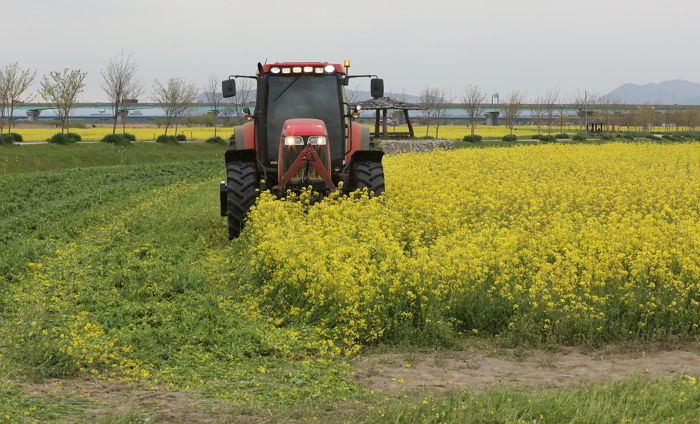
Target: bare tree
[550, 106]
[176, 97]
[648, 117]
[512, 109]
[119, 84]
[473, 102]
[435, 99]
[583, 101]
[539, 112]
[214, 98]
[61, 89]
[4, 98]
[352, 95]
[245, 88]
[14, 82]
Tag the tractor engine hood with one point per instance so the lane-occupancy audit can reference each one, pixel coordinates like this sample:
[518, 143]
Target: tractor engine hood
[304, 127]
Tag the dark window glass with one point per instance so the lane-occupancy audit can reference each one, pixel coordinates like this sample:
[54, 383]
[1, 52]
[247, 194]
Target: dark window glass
[303, 96]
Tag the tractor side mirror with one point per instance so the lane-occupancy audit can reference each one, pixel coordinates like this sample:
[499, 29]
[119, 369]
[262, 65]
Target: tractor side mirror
[228, 88]
[377, 87]
[246, 110]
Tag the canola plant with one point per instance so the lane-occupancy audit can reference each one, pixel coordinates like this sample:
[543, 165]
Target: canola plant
[570, 244]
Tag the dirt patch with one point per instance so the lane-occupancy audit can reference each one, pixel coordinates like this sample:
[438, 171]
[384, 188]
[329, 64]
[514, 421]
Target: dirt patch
[481, 369]
[116, 399]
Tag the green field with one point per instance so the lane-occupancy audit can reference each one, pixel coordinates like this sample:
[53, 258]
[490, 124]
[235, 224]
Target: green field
[117, 285]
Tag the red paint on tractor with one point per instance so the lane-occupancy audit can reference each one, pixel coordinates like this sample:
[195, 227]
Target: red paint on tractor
[249, 135]
[354, 140]
[266, 68]
[304, 127]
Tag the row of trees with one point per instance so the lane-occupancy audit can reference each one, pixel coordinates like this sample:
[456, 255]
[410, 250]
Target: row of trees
[551, 110]
[121, 86]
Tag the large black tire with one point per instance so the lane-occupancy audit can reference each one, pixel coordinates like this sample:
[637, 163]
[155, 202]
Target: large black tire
[367, 174]
[241, 191]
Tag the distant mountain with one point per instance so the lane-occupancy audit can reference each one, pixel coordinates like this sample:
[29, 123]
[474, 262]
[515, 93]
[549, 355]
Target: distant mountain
[678, 92]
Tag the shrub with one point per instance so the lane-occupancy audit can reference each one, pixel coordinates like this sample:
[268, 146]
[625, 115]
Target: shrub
[6, 139]
[472, 138]
[180, 137]
[562, 136]
[75, 137]
[17, 138]
[606, 137]
[426, 137]
[628, 136]
[117, 139]
[671, 137]
[537, 137]
[510, 137]
[579, 137]
[166, 139]
[64, 138]
[548, 138]
[129, 137]
[216, 140]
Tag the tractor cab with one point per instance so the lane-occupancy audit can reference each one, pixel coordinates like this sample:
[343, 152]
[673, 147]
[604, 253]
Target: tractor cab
[302, 134]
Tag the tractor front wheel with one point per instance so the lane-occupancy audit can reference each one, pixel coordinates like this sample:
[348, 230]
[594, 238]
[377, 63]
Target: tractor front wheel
[241, 192]
[369, 175]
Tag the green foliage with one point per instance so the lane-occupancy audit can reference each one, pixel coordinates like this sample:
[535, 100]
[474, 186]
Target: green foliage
[472, 138]
[139, 286]
[562, 136]
[544, 138]
[628, 136]
[128, 136]
[606, 137]
[216, 140]
[64, 138]
[579, 137]
[17, 138]
[169, 139]
[51, 157]
[426, 137]
[510, 137]
[634, 400]
[117, 139]
[6, 139]
[181, 137]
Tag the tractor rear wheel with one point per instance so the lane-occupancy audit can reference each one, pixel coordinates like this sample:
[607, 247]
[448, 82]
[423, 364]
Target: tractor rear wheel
[369, 175]
[241, 185]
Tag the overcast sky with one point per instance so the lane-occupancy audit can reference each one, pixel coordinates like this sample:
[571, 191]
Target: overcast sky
[499, 45]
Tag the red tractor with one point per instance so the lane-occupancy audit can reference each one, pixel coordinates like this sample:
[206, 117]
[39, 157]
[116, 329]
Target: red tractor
[301, 134]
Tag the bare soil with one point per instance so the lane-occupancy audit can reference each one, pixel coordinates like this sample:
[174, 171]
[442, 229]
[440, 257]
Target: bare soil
[409, 371]
[479, 369]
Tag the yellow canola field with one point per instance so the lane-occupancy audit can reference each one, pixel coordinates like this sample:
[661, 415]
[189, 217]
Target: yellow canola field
[554, 243]
[142, 134]
[202, 133]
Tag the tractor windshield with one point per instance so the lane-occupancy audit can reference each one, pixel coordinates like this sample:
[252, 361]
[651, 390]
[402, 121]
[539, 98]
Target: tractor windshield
[303, 96]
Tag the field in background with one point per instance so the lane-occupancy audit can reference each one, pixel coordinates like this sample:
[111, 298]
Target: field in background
[142, 134]
[50, 157]
[123, 273]
[202, 133]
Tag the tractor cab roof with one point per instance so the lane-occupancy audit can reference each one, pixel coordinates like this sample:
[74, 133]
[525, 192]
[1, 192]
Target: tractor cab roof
[268, 67]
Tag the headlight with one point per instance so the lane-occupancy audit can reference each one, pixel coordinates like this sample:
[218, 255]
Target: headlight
[317, 141]
[291, 140]
[329, 68]
[275, 70]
